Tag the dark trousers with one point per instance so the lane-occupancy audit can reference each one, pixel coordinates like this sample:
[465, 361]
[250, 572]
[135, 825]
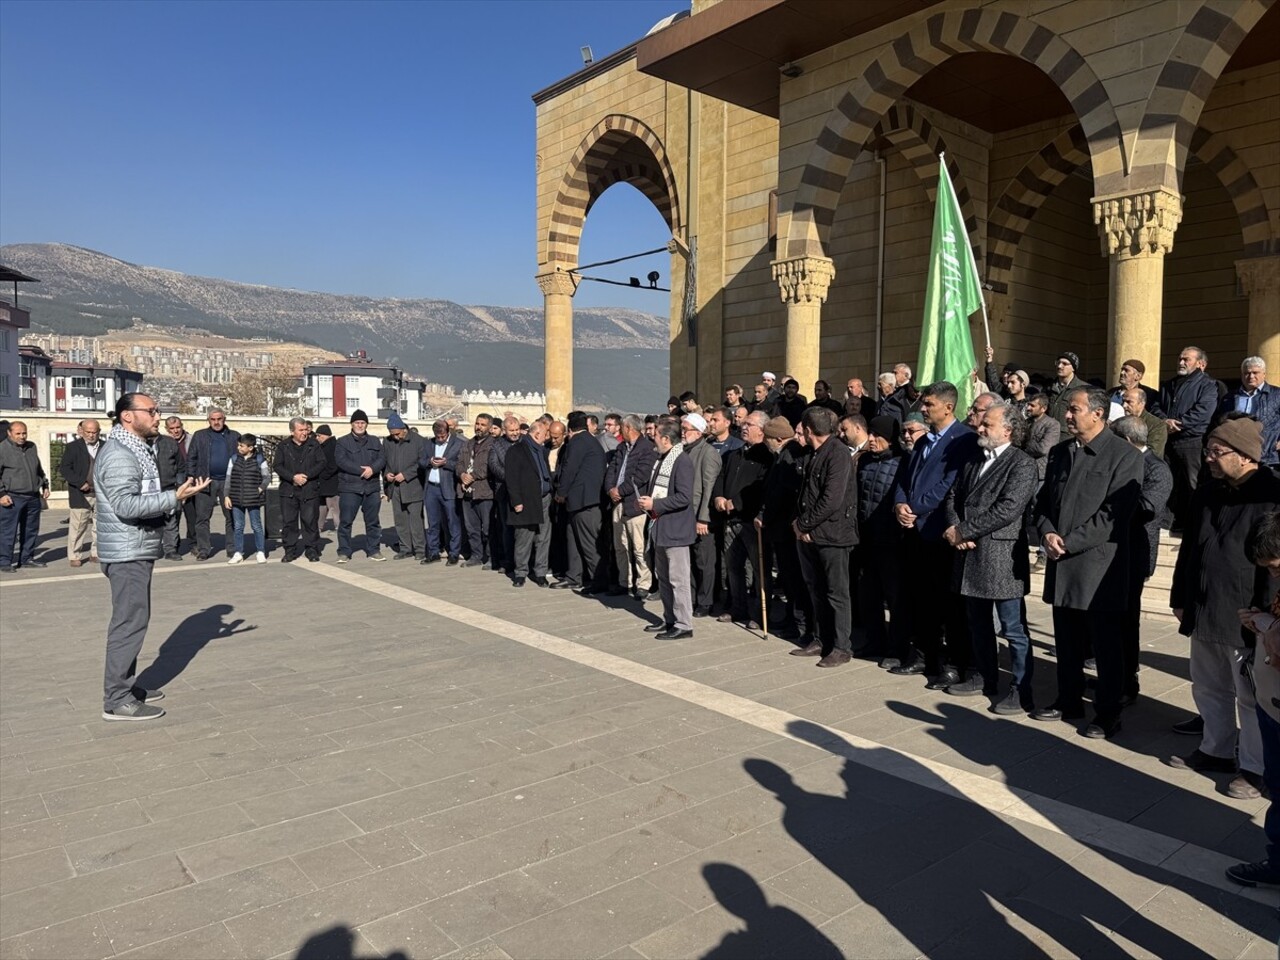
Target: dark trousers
[1130, 635]
[1072, 630]
[826, 569]
[367, 504]
[204, 513]
[411, 534]
[703, 554]
[986, 656]
[799, 603]
[502, 536]
[130, 616]
[742, 564]
[558, 555]
[19, 529]
[584, 565]
[939, 625]
[1270, 731]
[476, 513]
[443, 529]
[877, 589]
[1184, 454]
[531, 551]
[299, 519]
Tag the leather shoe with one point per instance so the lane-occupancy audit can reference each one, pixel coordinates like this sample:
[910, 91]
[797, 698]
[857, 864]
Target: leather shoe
[1190, 728]
[967, 688]
[836, 658]
[1054, 712]
[725, 618]
[945, 678]
[564, 585]
[1101, 731]
[540, 581]
[701, 612]
[431, 558]
[453, 561]
[912, 669]
[1203, 762]
[517, 582]
[888, 663]
[674, 634]
[1010, 706]
[658, 628]
[814, 649]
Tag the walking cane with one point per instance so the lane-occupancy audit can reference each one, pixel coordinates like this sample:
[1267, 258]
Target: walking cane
[764, 600]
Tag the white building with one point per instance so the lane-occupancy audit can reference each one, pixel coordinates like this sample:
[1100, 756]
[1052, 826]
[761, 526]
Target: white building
[35, 378]
[89, 389]
[337, 390]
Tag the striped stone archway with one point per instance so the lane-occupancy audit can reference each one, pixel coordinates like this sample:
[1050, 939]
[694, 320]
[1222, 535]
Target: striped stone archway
[1022, 198]
[920, 143]
[1173, 110]
[619, 149]
[913, 55]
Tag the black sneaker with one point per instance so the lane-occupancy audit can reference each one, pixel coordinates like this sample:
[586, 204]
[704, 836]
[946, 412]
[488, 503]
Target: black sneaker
[1260, 874]
[473, 562]
[287, 559]
[133, 710]
[1190, 728]
[147, 696]
[405, 556]
[453, 561]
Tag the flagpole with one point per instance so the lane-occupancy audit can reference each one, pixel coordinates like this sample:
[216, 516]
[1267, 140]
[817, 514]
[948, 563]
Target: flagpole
[986, 324]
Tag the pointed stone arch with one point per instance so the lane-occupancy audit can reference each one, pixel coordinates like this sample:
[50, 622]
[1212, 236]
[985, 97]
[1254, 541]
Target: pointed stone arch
[886, 80]
[1058, 159]
[619, 149]
[1173, 110]
[909, 131]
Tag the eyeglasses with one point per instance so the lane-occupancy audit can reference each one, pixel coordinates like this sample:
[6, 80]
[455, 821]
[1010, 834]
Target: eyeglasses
[152, 411]
[1217, 453]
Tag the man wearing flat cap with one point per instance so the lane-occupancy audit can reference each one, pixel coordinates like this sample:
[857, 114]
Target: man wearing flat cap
[1212, 581]
[1131, 374]
[402, 486]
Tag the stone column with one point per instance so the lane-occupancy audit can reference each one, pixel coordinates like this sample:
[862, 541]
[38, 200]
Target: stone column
[1136, 231]
[1260, 277]
[558, 288]
[803, 282]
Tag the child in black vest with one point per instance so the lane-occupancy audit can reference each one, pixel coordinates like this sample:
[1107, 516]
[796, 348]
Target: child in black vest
[245, 491]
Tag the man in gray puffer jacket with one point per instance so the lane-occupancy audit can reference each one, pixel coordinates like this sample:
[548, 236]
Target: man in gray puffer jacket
[131, 513]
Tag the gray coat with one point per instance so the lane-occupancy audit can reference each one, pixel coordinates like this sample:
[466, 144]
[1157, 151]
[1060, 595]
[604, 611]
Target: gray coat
[1088, 498]
[706, 468]
[403, 456]
[989, 509]
[1157, 486]
[129, 524]
[20, 469]
[1042, 436]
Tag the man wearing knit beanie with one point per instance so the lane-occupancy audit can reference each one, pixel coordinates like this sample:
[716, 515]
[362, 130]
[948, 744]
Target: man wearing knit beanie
[1213, 580]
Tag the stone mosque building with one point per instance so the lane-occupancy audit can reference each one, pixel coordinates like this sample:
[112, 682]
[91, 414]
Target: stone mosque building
[1117, 162]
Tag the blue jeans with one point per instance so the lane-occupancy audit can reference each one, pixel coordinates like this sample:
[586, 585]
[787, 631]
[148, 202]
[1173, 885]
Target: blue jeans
[986, 658]
[255, 518]
[19, 529]
[368, 504]
[442, 517]
[1270, 730]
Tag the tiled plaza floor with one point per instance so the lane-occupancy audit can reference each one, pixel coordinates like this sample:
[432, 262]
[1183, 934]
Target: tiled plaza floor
[390, 760]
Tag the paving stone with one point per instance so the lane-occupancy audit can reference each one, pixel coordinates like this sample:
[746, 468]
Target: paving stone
[610, 861]
[83, 796]
[59, 831]
[15, 784]
[22, 810]
[81, 937]
[151, 839]
[202, 944]
[317, 797]
[218, 857]
[331, 863]
[34, 869]
[175, 803]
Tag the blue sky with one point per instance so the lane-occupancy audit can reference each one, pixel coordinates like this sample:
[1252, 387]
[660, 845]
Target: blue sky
[374, 148]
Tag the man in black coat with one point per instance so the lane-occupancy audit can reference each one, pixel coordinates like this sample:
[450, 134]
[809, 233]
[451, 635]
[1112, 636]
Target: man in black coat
[580, 492]
[1213, 580]
[1083, 515]
[171, 461]
[299, 462]
[527, 480]
[327, 484]
[986, 512]
[210, 452]
[781, 494]
[1187, 402]
[1157, 485]
[826, 527]
[792, 403]
[77, 469]
[737, 497]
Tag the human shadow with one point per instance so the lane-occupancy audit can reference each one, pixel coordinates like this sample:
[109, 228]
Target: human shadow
[772, 931]
[337, 943]
[190, 637]
[947, 877]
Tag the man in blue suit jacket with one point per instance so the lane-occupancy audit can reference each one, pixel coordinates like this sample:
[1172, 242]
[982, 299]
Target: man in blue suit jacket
[923, 484]
[440, 464]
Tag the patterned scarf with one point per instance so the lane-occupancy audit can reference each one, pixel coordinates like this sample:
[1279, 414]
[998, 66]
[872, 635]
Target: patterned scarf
[140, 449]
[662, 472]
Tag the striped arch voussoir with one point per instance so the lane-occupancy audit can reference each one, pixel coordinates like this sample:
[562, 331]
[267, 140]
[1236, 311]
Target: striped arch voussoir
[619, 149]
[913, 136]
[851, 123]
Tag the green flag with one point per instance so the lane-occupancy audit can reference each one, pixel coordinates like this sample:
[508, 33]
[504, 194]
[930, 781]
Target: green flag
[952, 295]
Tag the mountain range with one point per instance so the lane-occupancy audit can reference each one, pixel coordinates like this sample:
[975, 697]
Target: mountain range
[620, 355]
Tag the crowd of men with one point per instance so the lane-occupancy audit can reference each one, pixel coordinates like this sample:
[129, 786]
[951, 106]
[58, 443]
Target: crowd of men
[821, 521]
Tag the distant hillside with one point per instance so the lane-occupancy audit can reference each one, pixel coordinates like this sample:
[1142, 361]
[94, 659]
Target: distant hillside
[620, 355]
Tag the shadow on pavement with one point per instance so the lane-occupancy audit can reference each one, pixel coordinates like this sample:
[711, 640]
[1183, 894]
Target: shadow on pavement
[336, 943]
[188, 639]
[772, 931]
[930, 869]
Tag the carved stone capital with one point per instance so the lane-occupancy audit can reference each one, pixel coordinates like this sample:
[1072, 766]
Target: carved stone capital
[1137, 224]
[804, 279]
[1259, 275]
[558, 282]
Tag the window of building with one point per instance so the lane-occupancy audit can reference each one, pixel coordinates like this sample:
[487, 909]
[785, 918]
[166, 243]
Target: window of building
[4, 341]
[99, 385]
[353, 404]
[81, 383]
[4, 385]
